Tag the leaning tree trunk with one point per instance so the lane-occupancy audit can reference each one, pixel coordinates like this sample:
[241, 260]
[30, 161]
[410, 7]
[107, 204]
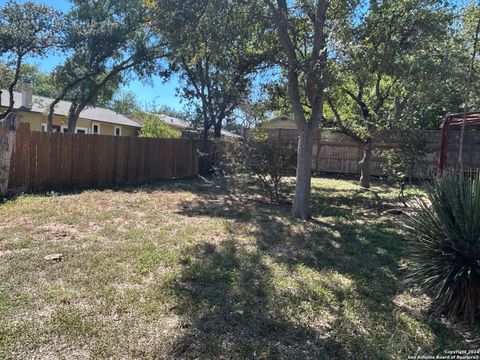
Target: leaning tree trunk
[72, 123]
[365, 164]
[7, 143]
[301, 202]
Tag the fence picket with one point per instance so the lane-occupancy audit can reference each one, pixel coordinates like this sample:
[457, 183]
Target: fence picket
[44, 161]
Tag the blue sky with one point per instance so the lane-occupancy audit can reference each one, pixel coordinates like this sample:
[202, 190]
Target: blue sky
[155, 91]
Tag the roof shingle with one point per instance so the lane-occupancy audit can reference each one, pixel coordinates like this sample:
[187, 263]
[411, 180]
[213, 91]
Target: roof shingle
[41, 105]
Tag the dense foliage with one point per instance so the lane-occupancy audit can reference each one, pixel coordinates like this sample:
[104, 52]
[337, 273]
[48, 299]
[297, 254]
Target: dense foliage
[42, 83]
[215, 47]
[104, 41]
[402, 161]
[154, 127]
[445, 245]
[390, 66]
[26, 30]
[259, 160]
[363, 67]
[124, 102]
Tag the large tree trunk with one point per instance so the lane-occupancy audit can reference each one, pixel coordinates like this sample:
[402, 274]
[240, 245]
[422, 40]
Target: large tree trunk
[73, 114]
[312, 71]
[301, 202]
[7, 143]
[72, 123]
[51, 112]
[217, 131]
[365, 164]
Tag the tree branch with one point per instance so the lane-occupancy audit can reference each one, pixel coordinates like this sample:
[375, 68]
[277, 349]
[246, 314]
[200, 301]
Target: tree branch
[12, 85]
[360, 103]
[340, 123]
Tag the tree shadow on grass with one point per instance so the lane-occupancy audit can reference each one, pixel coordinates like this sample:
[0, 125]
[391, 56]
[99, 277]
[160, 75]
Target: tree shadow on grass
[226, 297]
[346, 203]
[198, 185]
[347, 267]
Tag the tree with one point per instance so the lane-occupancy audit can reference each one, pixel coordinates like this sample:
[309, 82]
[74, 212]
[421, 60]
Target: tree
[306, 73]
[43, 84]
[475, 14]
[215, 46]
[106, 39]
[154, 127]
[26, 29]
[166, 110]
[383, 61]
[7, 143]
[124, 102]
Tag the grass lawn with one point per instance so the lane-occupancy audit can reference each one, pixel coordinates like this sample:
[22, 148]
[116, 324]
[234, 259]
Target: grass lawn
[183, 270]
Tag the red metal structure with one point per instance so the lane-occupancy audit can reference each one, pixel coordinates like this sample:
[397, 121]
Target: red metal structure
[454, 122]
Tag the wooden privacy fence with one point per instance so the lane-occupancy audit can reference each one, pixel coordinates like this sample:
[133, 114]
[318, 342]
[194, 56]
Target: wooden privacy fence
[61, 160]
[334, 152]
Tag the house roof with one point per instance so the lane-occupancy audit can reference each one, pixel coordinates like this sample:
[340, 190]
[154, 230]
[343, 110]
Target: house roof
[40, 105]
[229, 133]
[175, 121]
[281, 117]
[184, 124]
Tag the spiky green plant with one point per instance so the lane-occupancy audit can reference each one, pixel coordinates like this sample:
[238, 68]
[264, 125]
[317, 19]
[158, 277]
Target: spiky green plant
[445, 245]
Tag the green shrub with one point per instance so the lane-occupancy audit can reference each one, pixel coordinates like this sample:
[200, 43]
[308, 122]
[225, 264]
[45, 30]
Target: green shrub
[271, 161]
[402, 160]
[445, 245]
[154, 127]
[258, 159]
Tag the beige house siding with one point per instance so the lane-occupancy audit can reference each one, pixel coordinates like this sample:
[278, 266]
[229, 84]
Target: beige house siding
[281, 122]
[35, 120]
[129, 131]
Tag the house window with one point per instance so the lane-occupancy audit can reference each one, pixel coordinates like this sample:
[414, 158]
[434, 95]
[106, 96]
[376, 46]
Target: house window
[95, 128]
[64, 129]
[81, 131]
[44, 127]
[118, 131]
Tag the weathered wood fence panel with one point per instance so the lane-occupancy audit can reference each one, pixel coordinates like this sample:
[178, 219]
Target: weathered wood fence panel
[42, 161]
[471, 149]
[337, 153]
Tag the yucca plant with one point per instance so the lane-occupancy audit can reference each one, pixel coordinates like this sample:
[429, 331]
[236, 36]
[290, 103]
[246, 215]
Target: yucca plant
[444, 245]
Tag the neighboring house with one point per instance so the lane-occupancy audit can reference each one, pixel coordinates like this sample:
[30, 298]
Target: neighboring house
[92, 120]
[180, 124]
[175, 123]
[281, 122]
[283, 128]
